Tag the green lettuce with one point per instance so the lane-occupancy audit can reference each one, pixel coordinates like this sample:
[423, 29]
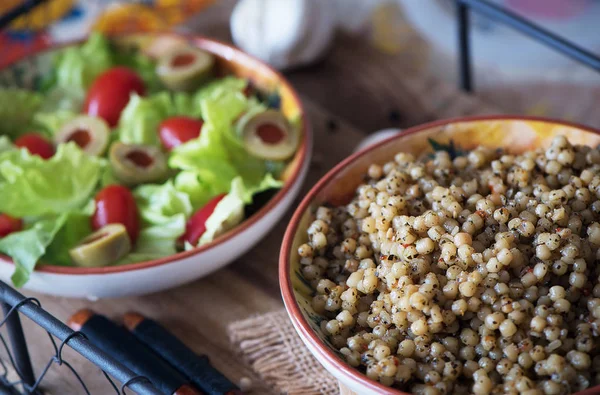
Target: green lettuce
[164, 211]
[186, 105]
[268, 182]
[212, 161]
[51, 122]
[17, 109]
[77, 67]
[31, 186]
[221, 113]
[229, 212]
[198, 190]
[215, 88]
[26, 247]
[76, 226]
[6, 144]
[203, 184]
[141, 117]
[190, 105]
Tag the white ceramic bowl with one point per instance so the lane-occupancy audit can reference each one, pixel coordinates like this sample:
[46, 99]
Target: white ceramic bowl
[184, 267]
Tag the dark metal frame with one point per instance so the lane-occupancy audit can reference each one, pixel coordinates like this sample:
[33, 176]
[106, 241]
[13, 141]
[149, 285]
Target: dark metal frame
[14, 303]
[520, 24]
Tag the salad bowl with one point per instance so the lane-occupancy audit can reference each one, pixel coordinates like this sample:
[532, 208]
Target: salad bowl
[152, 275]
[515, 134]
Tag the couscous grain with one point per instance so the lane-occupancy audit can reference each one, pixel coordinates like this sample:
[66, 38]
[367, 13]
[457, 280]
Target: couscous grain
[474, 274]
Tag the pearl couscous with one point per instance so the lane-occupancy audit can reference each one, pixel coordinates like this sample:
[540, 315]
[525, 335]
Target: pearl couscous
[475, 274]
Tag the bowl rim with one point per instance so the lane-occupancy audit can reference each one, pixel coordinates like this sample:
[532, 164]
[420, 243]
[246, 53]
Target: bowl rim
[225, 51]
[300, 324]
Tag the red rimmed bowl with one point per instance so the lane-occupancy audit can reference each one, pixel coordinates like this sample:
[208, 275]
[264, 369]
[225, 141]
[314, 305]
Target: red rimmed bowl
[337, 187]
[184, 267]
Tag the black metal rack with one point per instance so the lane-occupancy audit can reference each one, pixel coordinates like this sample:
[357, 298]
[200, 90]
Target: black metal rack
[14, 303]
[520, 24]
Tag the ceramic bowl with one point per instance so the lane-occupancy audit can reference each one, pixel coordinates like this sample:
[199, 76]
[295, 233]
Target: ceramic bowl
[171, 271]
[515, 134]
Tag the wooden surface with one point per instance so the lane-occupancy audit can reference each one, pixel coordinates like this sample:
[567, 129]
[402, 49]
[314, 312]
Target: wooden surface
[354, 91]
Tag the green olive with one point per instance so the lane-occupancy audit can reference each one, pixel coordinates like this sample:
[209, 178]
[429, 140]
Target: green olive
[268, 135]
[103, 247]
[91, 134]
[185, 68]
[136, 164]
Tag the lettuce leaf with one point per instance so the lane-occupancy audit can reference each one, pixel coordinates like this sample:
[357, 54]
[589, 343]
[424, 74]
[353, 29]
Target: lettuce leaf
[78, 66]
[199, 191]
[141, 117]
[17, 109]
[76, 226]
[229, 212]
[164, 211]
[268, 182]
[6, 144]
[222, 85]
[51, 122]
[211, 162]
[186, 104]
[26, 247]
[31, 186]
[48, 239]
[220, 113]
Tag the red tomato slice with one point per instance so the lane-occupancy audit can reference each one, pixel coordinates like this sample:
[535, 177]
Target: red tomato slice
[175, 131]
[196, 225]
[9, 225]
[115, 205]
[36, 145]
[110, 93]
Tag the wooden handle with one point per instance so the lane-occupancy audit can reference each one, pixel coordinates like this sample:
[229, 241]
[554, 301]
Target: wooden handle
[196, 368]
[123, 346]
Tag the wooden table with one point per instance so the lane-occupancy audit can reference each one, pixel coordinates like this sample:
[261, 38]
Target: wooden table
[354, 91]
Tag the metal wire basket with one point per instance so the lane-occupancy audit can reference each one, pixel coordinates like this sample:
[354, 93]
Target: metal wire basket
[17, 375]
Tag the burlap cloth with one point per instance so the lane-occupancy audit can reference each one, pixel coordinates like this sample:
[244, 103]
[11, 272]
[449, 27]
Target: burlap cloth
[270, 345]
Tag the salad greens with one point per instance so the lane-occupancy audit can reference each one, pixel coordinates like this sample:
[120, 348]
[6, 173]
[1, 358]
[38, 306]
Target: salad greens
[27, 246]
[140, 119]
[32, 187]
[54, 197]
[17, 109]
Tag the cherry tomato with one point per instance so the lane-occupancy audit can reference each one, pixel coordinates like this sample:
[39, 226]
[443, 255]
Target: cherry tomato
[115, 205]
[36, 145]
[196, 225]
[110, 92]
[175, 131]
[9, 225]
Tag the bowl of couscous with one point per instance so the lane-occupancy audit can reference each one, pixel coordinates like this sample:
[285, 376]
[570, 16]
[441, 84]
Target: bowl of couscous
[456, 257]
